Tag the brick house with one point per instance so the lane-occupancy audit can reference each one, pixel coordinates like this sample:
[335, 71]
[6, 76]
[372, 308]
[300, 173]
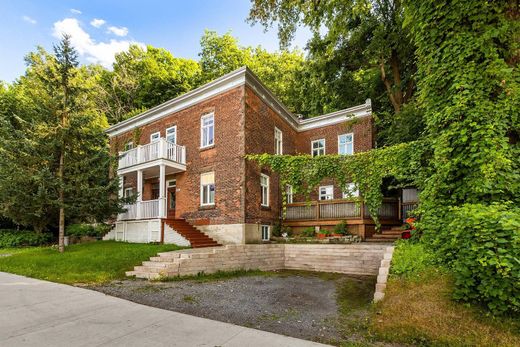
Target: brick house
[185, 161]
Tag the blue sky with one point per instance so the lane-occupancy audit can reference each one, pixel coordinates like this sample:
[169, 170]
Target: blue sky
[101, 28]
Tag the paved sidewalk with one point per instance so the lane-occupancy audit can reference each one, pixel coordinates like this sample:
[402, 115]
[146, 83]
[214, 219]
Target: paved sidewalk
[40, 313]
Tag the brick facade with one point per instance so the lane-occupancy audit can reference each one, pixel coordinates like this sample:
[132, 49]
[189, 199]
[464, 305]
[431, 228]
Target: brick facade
[244, 124]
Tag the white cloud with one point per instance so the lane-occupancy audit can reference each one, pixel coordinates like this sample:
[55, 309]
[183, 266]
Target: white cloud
[29, 20]
[118, 31]
[73, 10]
[96, 22]
[94, 52]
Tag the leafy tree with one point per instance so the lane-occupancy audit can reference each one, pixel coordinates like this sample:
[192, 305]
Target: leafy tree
[143, 78]
[56, 163]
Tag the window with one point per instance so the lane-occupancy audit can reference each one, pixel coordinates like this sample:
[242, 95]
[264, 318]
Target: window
[128, 192]
[346, 144]
[351, 191]
[288, 191]
[264, 184]
[327, 193]
[155, 137]
[278, 141]
[207, 130]
[172, 183]
[171, 134]
[129, 145]
[207, 188]
[318, 147]
[265, 232]
[155, 191]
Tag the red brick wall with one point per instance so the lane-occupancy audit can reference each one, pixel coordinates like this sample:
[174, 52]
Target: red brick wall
[225, 158]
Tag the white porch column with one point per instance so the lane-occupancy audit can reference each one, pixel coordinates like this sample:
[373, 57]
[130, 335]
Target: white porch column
[162, 191]
[121, 186]
[139, 193]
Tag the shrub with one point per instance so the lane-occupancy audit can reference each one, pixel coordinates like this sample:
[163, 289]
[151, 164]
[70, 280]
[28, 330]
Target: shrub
[481, 243]
[20, 238]
[341, 228]
[411, 259]
[308, 232]
[87, 230]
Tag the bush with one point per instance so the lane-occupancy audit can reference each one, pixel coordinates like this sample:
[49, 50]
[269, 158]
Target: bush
[482, 246]
[20, 238]
[308, 232]
[410, 259]
[279, 230]
[91, 230]
[341, 228]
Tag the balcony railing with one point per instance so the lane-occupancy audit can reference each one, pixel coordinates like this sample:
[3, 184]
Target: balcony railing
[339, 209]
[145, 209]
[160, 149]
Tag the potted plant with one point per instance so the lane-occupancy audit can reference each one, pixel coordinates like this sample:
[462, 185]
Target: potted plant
[340, 229]
[323, 233]
[408, 227]
[308, 232]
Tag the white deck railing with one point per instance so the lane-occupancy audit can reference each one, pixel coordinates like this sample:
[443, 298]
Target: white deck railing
[145, 209]
[160, 149]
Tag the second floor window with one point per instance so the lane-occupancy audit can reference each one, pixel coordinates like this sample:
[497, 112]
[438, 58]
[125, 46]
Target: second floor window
[278, 141]
[318, 147]
[207, 130]
[129, 146]
[326, 193]
[155, 137]
[346, 144]
[171, 134]
[351, 191]
[264, 185]
[207, 188]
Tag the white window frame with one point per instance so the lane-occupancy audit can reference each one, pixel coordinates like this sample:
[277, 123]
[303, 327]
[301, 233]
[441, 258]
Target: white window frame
[153, 135]
[326, 194]
[353, 189]
[128, 192]
[319, 148]
[267, 229]
[202, 127]
[174, 128]
[264, 188]
[168, 185]
[289, 194]
[129, 145]
[346, 143]
[278, 141]
[207, 187]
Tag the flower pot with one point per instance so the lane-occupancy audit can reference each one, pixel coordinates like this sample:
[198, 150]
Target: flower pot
[406, 234]
[321, 236]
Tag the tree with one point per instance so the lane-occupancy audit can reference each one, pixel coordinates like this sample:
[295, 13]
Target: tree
[144, 78]
[56, 162]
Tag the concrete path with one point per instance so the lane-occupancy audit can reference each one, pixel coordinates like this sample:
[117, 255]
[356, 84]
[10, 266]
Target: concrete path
[40, 313]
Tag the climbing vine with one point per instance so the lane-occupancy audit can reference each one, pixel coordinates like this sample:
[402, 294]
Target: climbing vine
[366, 169]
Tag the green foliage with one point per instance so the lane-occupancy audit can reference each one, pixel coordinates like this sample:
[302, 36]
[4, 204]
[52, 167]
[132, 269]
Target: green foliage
[79, 230]
[93, 262]
[411, 259]
[279, 230]
[21, 238]
[341, 228]
[309, 232]
[481, 244]
[366, 169]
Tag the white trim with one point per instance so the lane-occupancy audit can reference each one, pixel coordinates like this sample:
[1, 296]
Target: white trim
[346, 134]
[202, 187]
[268, 227]
[157, 133]
[202, 118]
[289, 194]
[240, 77]
[324, 147]
[166, 133]
[326, 187]
[168, 183]
[276, 133]
[262, 190]
[125, 194]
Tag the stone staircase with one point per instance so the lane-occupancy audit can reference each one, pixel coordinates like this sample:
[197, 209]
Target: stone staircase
[386, 235]
[196, 238]
[359, 259]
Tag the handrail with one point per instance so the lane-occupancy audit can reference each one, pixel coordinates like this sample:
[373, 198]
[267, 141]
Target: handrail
[161, 149]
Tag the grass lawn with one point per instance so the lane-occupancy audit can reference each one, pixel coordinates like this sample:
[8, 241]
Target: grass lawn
[418, 309]
[95, 262]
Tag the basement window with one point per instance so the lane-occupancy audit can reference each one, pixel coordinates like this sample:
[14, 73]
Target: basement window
[265, 232]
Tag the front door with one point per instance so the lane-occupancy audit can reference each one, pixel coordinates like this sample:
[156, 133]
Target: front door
[171, 198]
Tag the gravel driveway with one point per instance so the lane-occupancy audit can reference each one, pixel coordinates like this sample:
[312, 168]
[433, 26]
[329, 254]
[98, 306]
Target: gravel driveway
[302, 305]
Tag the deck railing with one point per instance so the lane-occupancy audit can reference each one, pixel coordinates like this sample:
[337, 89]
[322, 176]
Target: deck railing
[339, 209]
[145, 209]
[160, 149]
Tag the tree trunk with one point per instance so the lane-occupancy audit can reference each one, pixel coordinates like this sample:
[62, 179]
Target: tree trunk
[61, 199]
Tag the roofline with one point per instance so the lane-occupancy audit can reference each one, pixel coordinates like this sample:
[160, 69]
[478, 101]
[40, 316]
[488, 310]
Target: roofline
[239, 77]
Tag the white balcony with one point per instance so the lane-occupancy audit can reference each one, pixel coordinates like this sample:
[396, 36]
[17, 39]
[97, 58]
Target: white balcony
[146, 209]
[150, 154]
